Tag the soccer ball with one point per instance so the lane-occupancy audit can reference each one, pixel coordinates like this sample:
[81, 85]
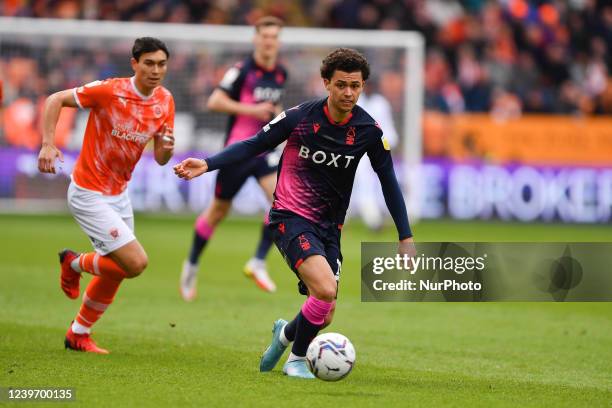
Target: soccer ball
[330, 356]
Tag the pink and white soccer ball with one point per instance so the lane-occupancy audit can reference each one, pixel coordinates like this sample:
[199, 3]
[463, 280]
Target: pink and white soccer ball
[331, 356]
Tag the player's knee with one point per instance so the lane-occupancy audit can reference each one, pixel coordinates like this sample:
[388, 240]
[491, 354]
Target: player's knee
[137, 266]
[216, 214]
[326, 292]
[330, 293]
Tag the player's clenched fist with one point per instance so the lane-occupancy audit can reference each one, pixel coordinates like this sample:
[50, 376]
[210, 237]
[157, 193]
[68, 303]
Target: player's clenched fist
[46, 158]
[167, 137]
[190, 168]
[407, 247]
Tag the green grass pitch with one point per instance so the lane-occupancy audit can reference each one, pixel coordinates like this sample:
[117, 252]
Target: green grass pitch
[165, 352]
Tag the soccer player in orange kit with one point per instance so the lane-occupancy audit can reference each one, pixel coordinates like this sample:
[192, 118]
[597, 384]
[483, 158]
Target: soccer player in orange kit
[125, 114]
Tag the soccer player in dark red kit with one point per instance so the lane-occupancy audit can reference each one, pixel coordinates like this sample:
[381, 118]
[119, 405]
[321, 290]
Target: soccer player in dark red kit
[250, 93]
[326, 138]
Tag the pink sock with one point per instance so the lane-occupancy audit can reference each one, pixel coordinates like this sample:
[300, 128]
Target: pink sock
[203, 228]
[315, 310]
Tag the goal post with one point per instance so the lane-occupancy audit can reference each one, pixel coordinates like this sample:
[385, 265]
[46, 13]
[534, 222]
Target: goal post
[83, 49]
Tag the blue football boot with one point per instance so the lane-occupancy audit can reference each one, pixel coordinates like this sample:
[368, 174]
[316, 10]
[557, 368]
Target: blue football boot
[297, 369]
[275, 350]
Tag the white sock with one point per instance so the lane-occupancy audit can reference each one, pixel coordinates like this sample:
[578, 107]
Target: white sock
[75, 264]
[293, 357]
[257, 263]
[282, 337]
[78, 328]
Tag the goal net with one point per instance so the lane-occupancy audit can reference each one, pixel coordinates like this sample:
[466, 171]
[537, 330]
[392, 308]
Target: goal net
[41, 56]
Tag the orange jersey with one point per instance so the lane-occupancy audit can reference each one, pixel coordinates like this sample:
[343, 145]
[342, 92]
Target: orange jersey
[121, 122]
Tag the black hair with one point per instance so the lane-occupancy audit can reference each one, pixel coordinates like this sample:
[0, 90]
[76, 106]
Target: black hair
[144, 45]
[344, 59]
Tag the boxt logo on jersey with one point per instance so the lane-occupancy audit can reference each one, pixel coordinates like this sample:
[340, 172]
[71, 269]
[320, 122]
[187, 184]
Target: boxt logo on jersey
[261, 94]
[322, 157]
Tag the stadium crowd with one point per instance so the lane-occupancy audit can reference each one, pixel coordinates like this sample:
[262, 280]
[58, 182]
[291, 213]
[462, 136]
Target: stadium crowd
[506, 57]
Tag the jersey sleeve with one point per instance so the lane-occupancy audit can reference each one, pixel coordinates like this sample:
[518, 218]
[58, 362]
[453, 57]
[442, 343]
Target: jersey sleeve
[93, 94]
[270, 136]
[382, 163]
[232, 80]
[379, 150]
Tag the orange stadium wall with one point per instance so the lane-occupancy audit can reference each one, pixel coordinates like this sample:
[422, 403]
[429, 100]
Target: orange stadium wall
[531, 139]
[22, 124]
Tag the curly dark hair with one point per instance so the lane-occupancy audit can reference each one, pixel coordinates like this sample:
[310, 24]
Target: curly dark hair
[344, 59]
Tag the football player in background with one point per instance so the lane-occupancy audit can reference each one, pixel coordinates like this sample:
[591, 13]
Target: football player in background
[250, 93]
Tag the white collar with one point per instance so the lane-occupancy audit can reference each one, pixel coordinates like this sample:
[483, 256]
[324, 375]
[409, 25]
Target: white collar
[145, 97]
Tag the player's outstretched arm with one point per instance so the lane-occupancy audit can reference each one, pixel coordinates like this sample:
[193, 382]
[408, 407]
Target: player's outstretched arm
[232, 154]
[270, 136]
[190, 168]
[48, 151]
[273, 134]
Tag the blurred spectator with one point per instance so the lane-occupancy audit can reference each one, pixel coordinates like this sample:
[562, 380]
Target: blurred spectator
[437, 72]
[569, 100]
[473, 80]
[554, 56]
[1, 109]
[505, 105]
[605, 102]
